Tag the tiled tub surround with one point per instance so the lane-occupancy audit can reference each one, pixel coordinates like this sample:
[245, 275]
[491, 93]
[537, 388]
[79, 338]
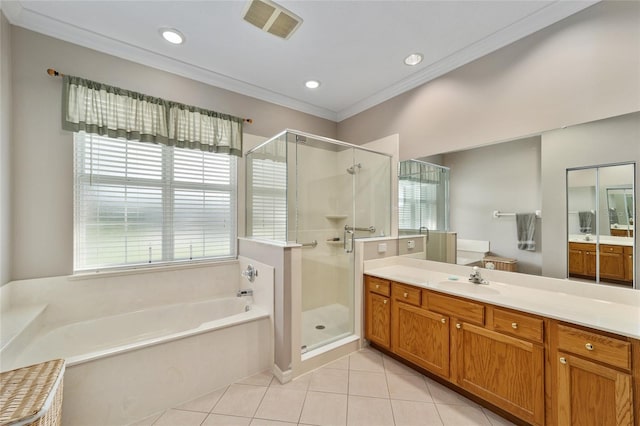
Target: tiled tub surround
[561, 352]
[137, 343]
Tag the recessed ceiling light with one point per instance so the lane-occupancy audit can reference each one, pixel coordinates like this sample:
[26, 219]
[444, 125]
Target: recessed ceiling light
[172, 36]
[312, 84]
[413, 59]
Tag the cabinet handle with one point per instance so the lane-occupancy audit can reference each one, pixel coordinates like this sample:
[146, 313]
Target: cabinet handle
[589, 346]
[443, 320]
[514, 325]
[384, 302]
[563, 360]
[458, 326]
[406, 295]
[377, 285]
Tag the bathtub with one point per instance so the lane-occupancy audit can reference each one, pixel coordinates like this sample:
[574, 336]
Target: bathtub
[124, 367]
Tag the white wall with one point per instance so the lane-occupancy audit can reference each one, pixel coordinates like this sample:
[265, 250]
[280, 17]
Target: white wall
[602, 142]
[5, 150]
[42, 151]
[580, 69]
[503, 177]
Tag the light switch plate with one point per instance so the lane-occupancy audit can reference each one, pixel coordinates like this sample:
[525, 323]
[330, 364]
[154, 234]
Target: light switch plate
[382, 247]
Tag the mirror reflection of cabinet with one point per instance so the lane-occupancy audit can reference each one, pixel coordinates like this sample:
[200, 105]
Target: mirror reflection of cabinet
[600, 220]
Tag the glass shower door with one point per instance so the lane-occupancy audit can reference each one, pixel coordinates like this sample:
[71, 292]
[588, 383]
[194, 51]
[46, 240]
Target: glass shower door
[324, 205]
[342, 194]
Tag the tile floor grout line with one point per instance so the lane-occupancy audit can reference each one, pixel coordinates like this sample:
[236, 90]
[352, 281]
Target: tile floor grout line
[384, 369]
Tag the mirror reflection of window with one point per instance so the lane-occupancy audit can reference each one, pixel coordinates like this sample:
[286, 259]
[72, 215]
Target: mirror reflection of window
[423, 198]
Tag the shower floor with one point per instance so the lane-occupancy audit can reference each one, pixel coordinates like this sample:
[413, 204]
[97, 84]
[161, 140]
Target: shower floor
[324, 325]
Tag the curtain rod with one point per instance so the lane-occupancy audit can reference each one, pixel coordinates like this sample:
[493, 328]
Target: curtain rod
[54, 73]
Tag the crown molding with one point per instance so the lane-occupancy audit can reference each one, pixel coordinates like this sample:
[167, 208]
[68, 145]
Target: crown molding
[528, 25]
[21, 16]
[18, 15]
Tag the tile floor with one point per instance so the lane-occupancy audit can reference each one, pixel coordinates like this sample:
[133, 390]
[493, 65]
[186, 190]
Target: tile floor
[366, 388]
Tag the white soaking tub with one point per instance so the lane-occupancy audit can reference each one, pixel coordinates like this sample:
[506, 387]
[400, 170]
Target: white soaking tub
[125, 366]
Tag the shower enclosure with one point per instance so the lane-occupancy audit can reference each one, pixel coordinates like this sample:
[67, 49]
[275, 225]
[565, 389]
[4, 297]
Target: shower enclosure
[321, 194]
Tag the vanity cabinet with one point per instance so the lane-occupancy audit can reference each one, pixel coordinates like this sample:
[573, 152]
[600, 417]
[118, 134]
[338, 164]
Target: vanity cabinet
[616, 261]
[593, 380]
[540, 370]
[378, 311]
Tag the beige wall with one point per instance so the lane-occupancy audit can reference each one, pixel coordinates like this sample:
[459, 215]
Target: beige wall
[5, 150]
[581, 69]
[602, 142]
[42, 151]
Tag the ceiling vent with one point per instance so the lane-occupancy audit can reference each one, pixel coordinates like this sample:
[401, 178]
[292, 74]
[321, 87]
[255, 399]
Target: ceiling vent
[271, 17]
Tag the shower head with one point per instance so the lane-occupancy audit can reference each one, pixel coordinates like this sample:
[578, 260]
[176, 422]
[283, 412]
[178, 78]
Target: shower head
[352, 170]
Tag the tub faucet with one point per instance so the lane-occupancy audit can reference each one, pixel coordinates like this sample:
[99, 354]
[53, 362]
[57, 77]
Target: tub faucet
[476, 278]
[245, 292]
[250, 273]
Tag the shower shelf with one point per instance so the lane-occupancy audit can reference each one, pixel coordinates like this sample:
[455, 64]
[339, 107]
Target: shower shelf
[336, 216]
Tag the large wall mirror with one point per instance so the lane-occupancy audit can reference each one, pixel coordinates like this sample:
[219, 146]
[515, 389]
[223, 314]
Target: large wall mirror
[513, 206]
[600, 223]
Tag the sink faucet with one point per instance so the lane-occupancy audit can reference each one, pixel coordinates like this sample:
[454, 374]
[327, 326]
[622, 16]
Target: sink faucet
[476, 278]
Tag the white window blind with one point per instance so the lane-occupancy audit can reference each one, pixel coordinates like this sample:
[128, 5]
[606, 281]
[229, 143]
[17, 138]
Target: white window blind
[141, 203]
[418, 205]
[269, 199]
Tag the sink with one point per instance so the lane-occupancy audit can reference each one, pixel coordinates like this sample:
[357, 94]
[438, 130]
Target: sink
[466, 287]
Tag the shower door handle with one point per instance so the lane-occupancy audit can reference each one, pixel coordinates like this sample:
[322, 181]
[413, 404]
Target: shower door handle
[348, 236]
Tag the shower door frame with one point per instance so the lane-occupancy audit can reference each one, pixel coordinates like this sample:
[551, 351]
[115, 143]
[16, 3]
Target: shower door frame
[297, 293]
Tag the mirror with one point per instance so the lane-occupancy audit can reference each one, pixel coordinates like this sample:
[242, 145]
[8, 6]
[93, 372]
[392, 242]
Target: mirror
[620, 207]
[423, 211]
[600, 202]
[529, 175]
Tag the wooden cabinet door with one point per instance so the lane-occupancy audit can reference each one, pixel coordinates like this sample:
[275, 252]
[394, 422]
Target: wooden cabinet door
[576, 262]
[421, 337]
[592, 394]
[503, 370]
[628, 263]
[611, 265]
[378, 319]
[590, 263]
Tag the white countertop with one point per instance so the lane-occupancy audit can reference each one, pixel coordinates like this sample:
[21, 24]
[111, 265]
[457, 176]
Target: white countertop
[604, 239]
[612, 309]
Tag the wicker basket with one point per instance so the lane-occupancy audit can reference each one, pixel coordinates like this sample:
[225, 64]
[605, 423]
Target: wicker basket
[501, 263]
[32, 395]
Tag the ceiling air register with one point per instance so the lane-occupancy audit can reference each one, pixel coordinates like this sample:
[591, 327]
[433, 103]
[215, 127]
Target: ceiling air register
[271, 17]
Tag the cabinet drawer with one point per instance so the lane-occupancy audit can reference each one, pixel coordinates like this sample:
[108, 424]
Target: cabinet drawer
[582, 246]
[628, 250]
[516, 324]
[609, 350]
[378, 285]
[458, 308]
[611, 249]
[406, 294]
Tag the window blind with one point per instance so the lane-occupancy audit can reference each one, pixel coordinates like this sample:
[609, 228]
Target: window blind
[140, 203]
[268, 199]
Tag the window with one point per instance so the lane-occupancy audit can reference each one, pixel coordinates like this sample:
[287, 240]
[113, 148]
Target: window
[268, 199]
[141, 203]
[423, 199]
